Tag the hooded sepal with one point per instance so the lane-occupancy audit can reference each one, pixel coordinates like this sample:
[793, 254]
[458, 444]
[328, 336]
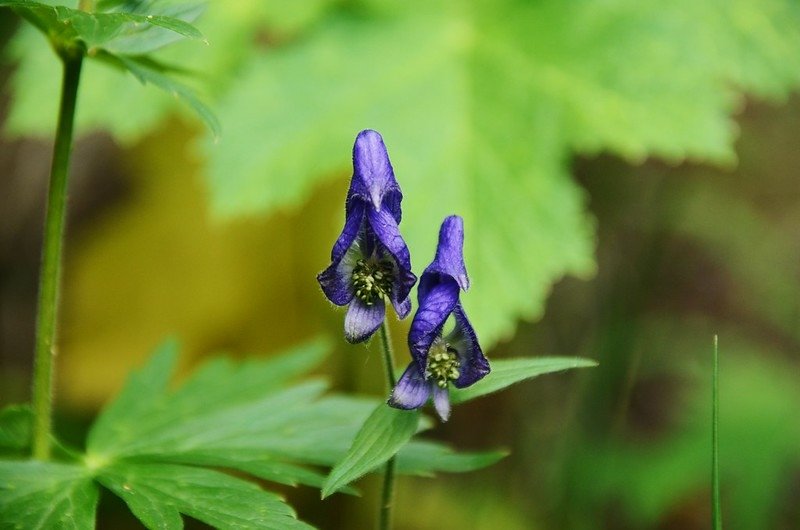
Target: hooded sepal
[373, 176]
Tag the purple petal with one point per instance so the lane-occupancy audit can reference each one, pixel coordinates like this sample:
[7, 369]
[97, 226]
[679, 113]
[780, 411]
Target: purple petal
[388, 234]
[401, 308]
[337, 280]
[441, 402]
[449, 260]
[474, 365]
[411, 391]
[373, 177]
[354, 218]
[429, 319]
[363, 320]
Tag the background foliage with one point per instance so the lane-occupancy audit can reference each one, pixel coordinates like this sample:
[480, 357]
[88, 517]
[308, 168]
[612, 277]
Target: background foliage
[483, 106]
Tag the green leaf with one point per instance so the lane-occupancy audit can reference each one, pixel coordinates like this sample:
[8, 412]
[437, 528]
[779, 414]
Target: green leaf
[506, 372]
[95, 30]
[149, 72]
[424, 458]
[382, 435]
[481, 108]
[121, 419]
[158, 493]
[44, 495]
[15, 428]
[146, 419]
[35, 86]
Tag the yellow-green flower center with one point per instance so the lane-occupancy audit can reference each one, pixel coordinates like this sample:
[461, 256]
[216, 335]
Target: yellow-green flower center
[372, 279]
[443, 364]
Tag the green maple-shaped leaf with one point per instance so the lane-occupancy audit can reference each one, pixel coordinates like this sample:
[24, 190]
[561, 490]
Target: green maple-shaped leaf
[122, 37]
[482, 103]
[521, 211]
[162, 448]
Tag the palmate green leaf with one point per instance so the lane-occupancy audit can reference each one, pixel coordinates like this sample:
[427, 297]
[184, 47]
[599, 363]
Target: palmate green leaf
[158, 493]
[44, 495]
[386, 430]
[15, 428]
[146, 419]
[35, 87]
[148, 71]
[94, 29]
[119, 39]
[521, 211]
[481, 104]
[250, 417]
[506, 372]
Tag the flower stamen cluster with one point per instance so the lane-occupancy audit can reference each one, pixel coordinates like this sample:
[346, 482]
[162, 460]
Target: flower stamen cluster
[372, 280]
[443, 364]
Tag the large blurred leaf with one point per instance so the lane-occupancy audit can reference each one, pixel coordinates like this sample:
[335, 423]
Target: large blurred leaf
[479, 105]
[15, 428]
[521, 211]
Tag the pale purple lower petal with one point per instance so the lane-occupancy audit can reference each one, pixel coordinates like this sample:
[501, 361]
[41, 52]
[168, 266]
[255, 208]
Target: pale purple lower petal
[474, 364]
[411, 391]
[441, 402]
[363, 320]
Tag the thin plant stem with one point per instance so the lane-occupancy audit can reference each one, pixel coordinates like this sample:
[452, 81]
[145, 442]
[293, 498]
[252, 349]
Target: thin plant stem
[387, 493]
[50, 273]
[388, 356]
[716, 512]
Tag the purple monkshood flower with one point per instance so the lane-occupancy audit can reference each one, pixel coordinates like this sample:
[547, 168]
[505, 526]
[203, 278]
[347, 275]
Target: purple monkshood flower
[369, 261]
[440, 360]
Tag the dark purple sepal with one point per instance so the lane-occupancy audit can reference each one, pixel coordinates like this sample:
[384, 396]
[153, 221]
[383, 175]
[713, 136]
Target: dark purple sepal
[431, 315]
[387, 233]
[362, 320]
[473, 363]
[449, 260]
[411, 391]
[373, 176]
[401, 308]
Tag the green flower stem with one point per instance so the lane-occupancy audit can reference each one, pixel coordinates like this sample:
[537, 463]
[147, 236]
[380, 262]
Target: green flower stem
[50, 274]
[387, 494]
[388, 356]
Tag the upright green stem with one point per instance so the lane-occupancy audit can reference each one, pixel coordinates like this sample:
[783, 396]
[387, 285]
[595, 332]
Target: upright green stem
[50, 274]
[387, 494]
[716, 512]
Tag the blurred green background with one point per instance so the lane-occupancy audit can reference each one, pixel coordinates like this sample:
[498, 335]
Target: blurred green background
[627, 175]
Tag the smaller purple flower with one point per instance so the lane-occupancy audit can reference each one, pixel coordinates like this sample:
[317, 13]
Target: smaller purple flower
[370, 261]
[438, 359]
